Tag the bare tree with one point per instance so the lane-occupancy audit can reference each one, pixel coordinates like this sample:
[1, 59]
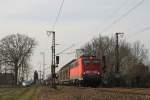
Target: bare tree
[15, 50]
[129, 54]
[103, 46]
[139, 53]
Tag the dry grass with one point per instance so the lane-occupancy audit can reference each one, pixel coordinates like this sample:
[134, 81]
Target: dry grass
[11, 93]
[29, 93]
[73, 93]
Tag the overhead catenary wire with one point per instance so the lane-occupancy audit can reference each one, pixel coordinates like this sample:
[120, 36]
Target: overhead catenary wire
[69, 53]
[122, 16]
[65, 49]
[139, 32]
[116, 11]
[58, 14]
[143, 30]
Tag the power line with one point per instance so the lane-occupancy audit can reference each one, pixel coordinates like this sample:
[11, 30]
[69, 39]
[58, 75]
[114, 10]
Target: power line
[122, 16]
[115, 12]
[69, 53]
[65, 49]
[119, 8]
[139, 32]
[143, 30]
[58, 15]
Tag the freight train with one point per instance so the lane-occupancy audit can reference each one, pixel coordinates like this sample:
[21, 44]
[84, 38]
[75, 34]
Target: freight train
[85, 71]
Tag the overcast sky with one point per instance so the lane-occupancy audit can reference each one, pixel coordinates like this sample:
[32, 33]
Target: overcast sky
[80, 21]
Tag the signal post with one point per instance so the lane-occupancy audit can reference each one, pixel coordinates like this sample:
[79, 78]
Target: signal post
[54, 63]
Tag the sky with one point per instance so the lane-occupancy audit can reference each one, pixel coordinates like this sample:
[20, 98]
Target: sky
[79, 22]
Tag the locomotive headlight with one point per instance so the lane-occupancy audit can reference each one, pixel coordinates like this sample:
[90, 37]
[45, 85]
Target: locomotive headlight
[98, 73]
[84, 73]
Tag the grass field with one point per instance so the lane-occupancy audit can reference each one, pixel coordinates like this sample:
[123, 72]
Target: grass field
[29, 93]
[72, 93]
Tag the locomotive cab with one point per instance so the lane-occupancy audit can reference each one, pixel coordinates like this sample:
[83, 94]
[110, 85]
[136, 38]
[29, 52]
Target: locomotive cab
[92, 70]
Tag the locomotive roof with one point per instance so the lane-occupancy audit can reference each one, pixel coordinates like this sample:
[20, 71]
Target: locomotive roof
[68, 64]
[83, 56]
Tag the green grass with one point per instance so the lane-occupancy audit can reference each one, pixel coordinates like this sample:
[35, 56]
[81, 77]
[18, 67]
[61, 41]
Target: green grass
[28, 93]
[11, 93]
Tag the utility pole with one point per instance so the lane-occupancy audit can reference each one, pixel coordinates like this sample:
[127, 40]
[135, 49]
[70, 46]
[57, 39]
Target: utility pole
[53, 65]
[40, 73]
[43, 75]
[117, 53]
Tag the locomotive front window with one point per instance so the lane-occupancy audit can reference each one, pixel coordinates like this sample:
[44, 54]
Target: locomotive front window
[86, 62]
[95, 62]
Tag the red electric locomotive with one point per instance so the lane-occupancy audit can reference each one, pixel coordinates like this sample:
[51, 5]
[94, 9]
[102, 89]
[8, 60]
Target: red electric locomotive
[86, 70]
